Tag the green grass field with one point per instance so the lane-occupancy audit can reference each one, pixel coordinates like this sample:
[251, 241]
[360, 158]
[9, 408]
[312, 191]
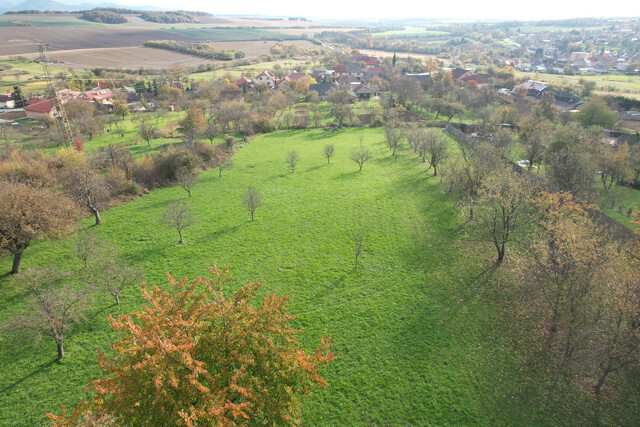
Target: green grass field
[614, 83]
[232, 34]
[412, 32]
[425, 330]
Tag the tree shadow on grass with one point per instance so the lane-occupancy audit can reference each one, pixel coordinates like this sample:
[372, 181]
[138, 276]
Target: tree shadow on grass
[313, 168]
[345, 175]
[16, 383]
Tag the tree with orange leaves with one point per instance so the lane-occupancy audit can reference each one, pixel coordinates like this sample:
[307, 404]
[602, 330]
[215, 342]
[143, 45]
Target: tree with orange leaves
[194, 356]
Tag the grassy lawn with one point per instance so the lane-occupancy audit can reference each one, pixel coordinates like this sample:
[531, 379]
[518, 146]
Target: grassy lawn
[416, 32]
[614, 83]
[235, 34]
[423, 335]
[31, 70]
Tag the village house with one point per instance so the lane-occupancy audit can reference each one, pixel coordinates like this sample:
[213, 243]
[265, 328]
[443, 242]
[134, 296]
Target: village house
[322, 89]
[6, 101]
[97, 95]
[243, 83]
[366, 91]
[457, 74]
[424, 79]
[267, 78]
[531, 88]
[40, 108]
[481, 80]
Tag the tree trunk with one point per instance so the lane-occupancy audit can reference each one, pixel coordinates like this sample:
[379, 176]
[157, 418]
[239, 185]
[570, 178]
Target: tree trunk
[180, 234]
[601, 380]
[17, 259]
[97, 215]
[189, 191]
[117, 299]
[60, 349]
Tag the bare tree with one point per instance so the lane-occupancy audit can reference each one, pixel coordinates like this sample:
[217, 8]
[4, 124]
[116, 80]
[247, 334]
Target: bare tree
[85, 245]
[328, 152]
[211, 131]
[498, 207]
[112, 274]
[292, 159]
[358, 242]
[87, 187]
[53, 309]
[360, 155]
[393, 138]
[222, 163]
[186, 179]
[148, 132]
[177, 215]
[252, 200]
[436, 149]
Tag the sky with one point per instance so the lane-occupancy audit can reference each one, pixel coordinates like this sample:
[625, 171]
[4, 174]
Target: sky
[461, 9]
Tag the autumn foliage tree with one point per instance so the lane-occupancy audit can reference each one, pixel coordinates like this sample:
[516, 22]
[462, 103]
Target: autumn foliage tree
[196, 356]
[28, 213]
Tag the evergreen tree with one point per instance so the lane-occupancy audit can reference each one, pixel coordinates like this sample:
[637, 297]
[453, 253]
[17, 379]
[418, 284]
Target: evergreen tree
[19, 100]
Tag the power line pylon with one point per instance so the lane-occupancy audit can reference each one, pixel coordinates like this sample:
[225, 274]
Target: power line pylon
[58, 111]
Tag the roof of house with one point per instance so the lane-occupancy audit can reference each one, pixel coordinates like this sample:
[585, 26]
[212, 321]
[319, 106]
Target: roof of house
[5, 97]
[242, 81]
[39, 105]
[322, 88]
[345, 80]
[421, 77]
[340, 68]
[456, 73]
[370, 60]
[481, 79]
[363, 89]
[354, 69]
[296, 76]
[268, 74]
[285, 79]
[531, 85]
[97, 94]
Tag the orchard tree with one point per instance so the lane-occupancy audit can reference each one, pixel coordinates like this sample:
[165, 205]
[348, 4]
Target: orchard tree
[393, 138]
[499, 207]
[328, 152]
[252, 200]
[194, 355]
[87, 188]
[111, 274]
[28, 213]
[177, 215]
[192, 124]
[292, 159]
[221, 163]
[360, 155]
[53, 308]
[186, 179]
[436, 149]
[148, 131]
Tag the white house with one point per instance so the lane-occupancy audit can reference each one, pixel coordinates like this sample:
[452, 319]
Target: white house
[6, 101]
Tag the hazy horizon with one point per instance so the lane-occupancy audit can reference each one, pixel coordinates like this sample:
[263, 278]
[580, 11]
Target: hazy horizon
[465, 10]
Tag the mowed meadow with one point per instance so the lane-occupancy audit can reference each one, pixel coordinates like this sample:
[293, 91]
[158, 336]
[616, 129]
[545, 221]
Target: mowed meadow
[422, 329]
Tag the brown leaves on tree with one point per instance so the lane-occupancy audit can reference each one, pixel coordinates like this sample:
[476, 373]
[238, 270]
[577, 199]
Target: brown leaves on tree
[28, 213]
[195, 356]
